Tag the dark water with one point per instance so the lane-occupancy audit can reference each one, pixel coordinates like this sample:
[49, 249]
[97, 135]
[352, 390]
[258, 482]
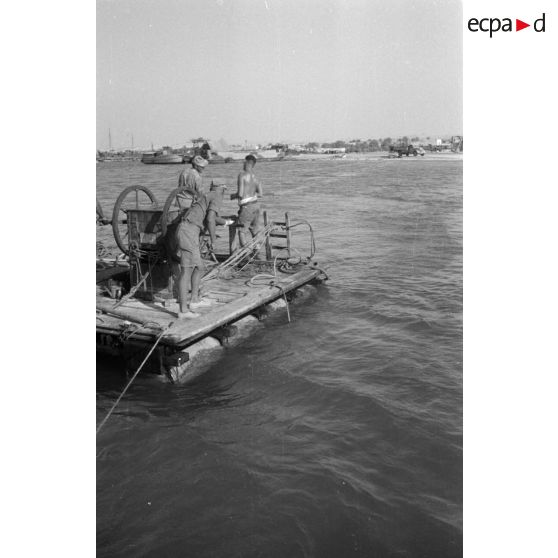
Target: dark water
[339, 434]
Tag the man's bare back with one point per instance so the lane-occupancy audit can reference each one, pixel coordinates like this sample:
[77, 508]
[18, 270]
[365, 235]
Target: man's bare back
[248, 185]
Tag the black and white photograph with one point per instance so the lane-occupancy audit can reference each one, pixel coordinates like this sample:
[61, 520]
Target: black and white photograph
[279, 278]
[321, 330]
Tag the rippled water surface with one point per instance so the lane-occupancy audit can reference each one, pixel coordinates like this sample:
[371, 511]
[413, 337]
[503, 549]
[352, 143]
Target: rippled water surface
[339, 434]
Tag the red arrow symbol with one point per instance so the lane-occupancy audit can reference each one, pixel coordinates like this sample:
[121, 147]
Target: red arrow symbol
[519, 25]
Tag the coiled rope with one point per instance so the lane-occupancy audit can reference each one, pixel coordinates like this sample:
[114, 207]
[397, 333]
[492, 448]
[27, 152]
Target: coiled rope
[270, 279]
[238, 261]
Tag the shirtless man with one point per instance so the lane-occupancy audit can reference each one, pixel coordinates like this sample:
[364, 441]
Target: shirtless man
[204, 212]
[249, 192]
[191, 178]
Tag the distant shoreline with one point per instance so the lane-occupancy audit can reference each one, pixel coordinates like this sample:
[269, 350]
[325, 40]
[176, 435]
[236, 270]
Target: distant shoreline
[368, 156]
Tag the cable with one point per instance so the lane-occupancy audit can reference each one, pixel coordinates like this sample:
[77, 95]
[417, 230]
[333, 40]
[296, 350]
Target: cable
[133, 378]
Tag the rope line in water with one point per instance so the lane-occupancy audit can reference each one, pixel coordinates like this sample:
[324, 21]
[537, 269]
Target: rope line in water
[160, 336]
[286, 302]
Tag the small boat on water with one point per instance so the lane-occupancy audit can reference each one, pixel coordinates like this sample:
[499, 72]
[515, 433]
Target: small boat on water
[162, 157]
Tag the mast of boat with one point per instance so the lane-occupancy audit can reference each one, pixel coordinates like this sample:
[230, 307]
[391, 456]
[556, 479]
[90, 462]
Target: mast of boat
[110, 141]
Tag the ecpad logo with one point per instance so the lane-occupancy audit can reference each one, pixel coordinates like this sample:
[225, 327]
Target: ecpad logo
[494, 24]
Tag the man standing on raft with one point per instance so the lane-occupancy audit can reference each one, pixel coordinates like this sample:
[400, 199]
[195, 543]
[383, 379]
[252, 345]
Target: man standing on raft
[249, 190]
[204, 211]
[191, 178]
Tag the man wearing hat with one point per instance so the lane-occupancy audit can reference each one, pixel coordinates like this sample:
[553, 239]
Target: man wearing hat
[191, 178]
[249, 190]
[203, 213]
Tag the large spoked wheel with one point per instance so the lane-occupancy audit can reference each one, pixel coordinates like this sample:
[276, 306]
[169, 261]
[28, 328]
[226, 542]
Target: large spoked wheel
[179, 200]
[133, 197]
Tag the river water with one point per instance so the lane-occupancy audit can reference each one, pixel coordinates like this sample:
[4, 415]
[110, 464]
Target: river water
[339, 434]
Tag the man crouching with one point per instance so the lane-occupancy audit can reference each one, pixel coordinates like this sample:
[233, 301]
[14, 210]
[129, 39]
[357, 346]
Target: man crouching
[204, 212]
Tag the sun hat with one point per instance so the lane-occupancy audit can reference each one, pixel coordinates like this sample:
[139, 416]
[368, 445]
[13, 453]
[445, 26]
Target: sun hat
[199, 161]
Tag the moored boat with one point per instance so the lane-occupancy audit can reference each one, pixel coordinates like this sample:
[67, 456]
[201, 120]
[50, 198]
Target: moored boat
[162, 157]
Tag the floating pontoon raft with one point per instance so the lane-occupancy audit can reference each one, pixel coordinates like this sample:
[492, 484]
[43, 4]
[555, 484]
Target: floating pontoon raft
[136, 298]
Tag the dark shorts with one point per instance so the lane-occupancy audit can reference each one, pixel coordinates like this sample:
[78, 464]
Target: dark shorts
[188, 244]
[249, 216]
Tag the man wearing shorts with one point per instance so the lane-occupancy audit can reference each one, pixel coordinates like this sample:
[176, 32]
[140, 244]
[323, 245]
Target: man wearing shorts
[249, 192]
[203, 212]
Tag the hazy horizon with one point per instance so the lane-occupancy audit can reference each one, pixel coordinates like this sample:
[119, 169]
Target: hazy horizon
[270, 70]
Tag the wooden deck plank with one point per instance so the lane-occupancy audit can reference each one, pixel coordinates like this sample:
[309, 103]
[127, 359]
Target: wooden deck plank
[215, 317]
[138, 311]
[232, 299]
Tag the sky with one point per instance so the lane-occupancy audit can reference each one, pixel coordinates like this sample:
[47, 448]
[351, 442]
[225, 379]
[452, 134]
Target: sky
[261, 71]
